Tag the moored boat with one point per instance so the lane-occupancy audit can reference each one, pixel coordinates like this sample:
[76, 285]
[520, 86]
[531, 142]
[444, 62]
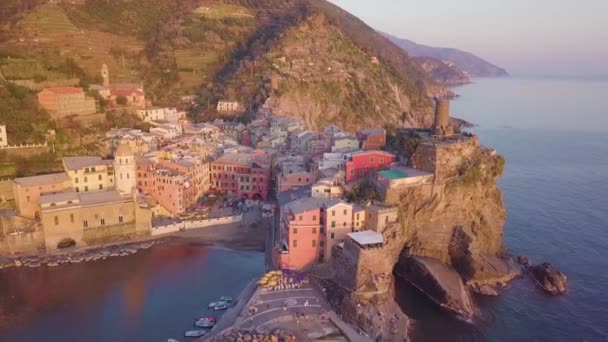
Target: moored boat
[213, 305]
[195, 333]
[226, 299]
[222, 306]
[204, 324]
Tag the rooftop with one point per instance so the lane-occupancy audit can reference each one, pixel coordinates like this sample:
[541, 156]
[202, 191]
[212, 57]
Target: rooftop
[367, 237]
[393, 174]
[77, 163]
[305, 204]
[41, 180]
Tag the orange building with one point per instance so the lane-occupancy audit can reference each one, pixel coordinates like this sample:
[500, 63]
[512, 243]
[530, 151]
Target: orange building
[65, 101]
[27, 191]
[133, 93]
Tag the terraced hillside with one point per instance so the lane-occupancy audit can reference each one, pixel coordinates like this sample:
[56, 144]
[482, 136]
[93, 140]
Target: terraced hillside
[336, 69]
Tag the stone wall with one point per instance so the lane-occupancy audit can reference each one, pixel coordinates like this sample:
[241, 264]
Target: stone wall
[26, 242]
[6, 190]
[185, 225]
[445, 158]
[111, 234]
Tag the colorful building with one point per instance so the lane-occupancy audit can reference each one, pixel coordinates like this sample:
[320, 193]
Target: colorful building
[89, 173]
[244, 175]
[133, 93]
[372, 138]
[363, 163]
[27, 191]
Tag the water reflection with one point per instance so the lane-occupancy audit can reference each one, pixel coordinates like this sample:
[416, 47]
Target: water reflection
[154, 293]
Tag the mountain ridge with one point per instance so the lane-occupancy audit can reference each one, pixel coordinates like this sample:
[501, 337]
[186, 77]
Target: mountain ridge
[468, 62]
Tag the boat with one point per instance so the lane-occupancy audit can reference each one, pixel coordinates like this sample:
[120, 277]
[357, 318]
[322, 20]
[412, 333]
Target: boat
[172, 340]
[204, 324]
[195, 333]
[216, 304]
[206, 318]
[223, 306]
[226, 299]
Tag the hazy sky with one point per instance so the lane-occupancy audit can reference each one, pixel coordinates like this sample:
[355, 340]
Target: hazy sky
[532, 37]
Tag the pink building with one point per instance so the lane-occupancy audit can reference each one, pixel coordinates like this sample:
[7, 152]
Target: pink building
[363, 163]
[244, 175]
[310, 229]
[292, 181]
[172, 191]
[133, 93]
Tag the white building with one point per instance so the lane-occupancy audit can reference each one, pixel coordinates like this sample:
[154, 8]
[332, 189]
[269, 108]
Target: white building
[158, 114]
[124, 169]
[228, 106]
[3, 137]
[332, 161]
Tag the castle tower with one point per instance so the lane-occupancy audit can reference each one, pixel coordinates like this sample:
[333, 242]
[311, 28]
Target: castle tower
[442, 117]
[124, 169]
[105, 74]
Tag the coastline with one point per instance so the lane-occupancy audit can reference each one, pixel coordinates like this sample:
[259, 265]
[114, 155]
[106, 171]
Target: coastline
[247, 236]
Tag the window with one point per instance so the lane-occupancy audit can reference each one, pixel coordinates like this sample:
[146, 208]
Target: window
[333, 213]
[333, 224]
[295, 230]
[85, 179]
[103, 221]
[322, 243]
[93, 169]
[322, 230]
[372, 160]
[314, 243]
[357, 216]
[99, 177]
[314, 230]
[27, 198]
[295, 243]
[333, 235]
[361, 172]
[72, 218]
[76, 180]
[344, 224]
[345, 212]
[86, 188]
[386, 219]
[382, 160]
[120, 219]
[85, 223]
[352, 172]
[300, 218]
[100, 186]
[314, 218]
[77, 189]
[56, 220]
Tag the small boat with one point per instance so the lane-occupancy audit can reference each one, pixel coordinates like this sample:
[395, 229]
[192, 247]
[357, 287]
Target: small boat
[216, 304]
[223, 306]
[195, 333]
[206, 318]
[172, 340]
[204, 324]
[226, 299]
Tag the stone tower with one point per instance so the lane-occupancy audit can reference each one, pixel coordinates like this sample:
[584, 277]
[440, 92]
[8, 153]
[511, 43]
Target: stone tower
[442, 118]
[105, 74]
[124, 169]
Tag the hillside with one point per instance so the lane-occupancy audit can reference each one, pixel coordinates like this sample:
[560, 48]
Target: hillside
[471, 64]
[306, 58]
[445, 73]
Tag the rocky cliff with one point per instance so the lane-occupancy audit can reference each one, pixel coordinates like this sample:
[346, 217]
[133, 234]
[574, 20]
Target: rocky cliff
[445, 73]
[446, 239]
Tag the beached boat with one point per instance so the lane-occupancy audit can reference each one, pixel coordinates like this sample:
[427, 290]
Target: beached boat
[213, 305]
[195, 333]
[206, 318]
[223, 306]
[204, 324]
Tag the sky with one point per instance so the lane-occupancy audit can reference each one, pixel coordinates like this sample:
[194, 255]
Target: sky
[527, 37]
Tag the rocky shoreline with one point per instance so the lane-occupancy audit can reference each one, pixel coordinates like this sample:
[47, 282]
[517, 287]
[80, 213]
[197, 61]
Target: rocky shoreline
[79, 255]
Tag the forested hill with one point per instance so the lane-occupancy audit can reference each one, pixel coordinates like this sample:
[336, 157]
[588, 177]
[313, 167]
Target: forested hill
[306, 58]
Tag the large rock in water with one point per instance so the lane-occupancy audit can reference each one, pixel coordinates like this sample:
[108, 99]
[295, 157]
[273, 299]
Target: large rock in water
[438, 281]
[550, 278]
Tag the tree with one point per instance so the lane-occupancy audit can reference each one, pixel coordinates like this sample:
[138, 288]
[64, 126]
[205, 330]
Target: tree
[121, 100]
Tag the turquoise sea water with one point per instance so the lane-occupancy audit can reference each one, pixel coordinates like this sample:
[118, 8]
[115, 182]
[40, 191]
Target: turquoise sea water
[554, 135]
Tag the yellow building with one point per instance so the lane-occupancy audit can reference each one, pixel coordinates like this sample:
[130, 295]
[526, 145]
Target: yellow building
[79, 219]
[89, 173]
[27, 191]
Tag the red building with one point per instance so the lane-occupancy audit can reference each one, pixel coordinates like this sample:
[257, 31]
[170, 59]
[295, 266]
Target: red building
[245, 175]
[372, 138]
[363, 163]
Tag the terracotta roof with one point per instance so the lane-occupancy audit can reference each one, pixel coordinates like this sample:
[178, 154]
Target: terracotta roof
[53, 178]
[64, 90]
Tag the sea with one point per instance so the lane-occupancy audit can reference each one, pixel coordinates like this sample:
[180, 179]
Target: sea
[554, 135]
[150, 296]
